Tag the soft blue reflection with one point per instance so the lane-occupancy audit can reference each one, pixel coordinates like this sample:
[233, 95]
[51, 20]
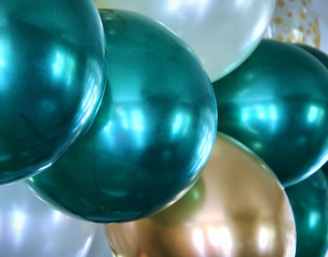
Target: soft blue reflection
[4, 58]
[315, 114]
[63, 66]
[314, 219]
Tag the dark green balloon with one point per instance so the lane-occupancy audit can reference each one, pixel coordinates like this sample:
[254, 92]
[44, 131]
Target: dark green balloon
[184, 209]
[52, 63]
[276, 103]
[153, 134]
[309, 201]
[319, 55]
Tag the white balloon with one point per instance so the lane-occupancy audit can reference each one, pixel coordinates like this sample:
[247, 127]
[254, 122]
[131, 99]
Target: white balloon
[100, 247]
[321, 7]
[295, 22]
[223, 33]
[30, 227]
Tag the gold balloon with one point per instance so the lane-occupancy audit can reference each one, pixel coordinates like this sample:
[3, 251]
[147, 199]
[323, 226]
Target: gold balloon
[237, 208]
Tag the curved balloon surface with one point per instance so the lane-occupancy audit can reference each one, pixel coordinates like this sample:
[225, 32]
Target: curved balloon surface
[153, 133]
[30, 227]
[295, 22]
[237, 209]
[321, 7]
[276, 104]
[100, 247]
[309, 201]
[52, 63]
[222, 33]
[320, 55]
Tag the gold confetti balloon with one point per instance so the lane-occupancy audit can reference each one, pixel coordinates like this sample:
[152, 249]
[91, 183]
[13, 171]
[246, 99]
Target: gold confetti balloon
[295, 21]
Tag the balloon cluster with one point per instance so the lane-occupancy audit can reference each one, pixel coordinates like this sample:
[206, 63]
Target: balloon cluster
[175, 124]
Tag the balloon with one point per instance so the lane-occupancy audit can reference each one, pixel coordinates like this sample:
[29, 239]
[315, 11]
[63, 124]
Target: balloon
[30, 227]
[321, 7]
[309, 201]
[242, 210]
[222, 33]
[276, 104]
[153, 133]
[320, 55]
[52, 64]
[295, 22]
[100, 247]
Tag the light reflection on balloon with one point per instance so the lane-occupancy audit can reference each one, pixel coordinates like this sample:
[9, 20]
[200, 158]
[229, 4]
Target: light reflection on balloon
[152, 135]
[237, 208]
[51, 81]
[222, 33]
[279, 114]
[309, 201]
[30, 227]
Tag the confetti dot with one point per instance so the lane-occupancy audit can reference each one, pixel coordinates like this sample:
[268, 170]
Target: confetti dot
[303, 15]
[280, 38]
[292, 38]
[277, 20]
[280, 3]
[289, 14]
[316, 41]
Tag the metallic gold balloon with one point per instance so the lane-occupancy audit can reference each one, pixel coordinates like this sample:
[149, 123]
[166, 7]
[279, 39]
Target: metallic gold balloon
[52, 78]
[153, 133]
[309, 201]
[237, 209]
[276, 104]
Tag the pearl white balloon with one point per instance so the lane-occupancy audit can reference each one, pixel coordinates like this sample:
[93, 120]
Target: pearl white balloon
[295, 22]
[30, 227]
[321, 7]
[223, 33]
[100, 247]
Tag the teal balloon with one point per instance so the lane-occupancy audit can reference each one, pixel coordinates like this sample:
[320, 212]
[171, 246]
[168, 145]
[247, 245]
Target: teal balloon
[315, 52]
[152, 136]
[276, 103]
[52, 64]
[309, 201]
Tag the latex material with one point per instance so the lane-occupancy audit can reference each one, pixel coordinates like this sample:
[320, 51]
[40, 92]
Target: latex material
[309, 200]
[222, 33]
[295, 22]
[52, 64]
[100, 247]
[153, 133]
[276, 104]
[320, 55]
[321, 7]
[30, 227]
[237, 209]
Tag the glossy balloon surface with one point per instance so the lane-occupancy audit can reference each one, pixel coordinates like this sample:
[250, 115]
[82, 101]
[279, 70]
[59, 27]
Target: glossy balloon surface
[320, 55]
[52, 64]
[309, 201]
[276, 104]
[100, 247]
[30, 227]
[222, 33]
[321, 7]
[153, 133]
[240, 210]
[295, 22]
